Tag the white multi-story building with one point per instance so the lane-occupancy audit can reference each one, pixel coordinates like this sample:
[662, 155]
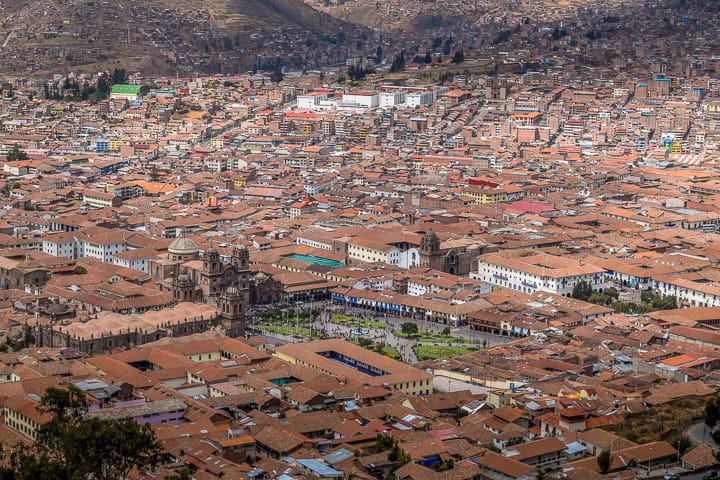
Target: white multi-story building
[527, 271]
[687, 291]
[102, 246]
[417, 99]
[392, 99]
[135, 259]
[314, 240]
[101, 199]
[397, 254]
[61, 244]
[361, 99]
[311, 101]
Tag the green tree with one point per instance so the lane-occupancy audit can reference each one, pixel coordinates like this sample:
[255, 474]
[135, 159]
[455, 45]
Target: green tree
[16, 154]
[356, 73]
[598, 298]
[103, 85]
[409, 328]
[604, 461]
[394, 453]
[612, 293]
[666, 303]
[119, 75]
[582, 290]
[459, 57]
[277, 76]
[74, 446]
[647, 296]
[398, 63]
[682, 443]
[383, 442]
[184, 474]
[154, 174]
[621, 307]
[711, 413]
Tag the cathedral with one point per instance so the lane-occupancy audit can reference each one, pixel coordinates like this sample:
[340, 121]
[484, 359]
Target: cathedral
[224, 284]
[457, 257]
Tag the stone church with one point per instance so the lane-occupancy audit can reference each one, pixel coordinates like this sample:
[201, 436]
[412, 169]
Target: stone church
[457, 257]
[224, 284]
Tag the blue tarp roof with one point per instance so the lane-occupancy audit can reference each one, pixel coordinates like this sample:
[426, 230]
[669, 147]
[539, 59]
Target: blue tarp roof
[338, 456]
[320, 469]
[574, 447]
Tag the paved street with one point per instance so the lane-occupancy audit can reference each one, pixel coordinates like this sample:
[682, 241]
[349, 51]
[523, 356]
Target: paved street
[699, 433]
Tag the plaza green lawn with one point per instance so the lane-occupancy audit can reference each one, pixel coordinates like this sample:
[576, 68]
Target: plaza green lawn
[380, 348]
[287, 330]
[431, 352]
[429, 337]
[354, 322]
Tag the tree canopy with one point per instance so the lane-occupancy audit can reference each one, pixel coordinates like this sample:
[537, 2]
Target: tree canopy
[459, 57]
[74, 446]
[16, 154]
[119, 75]
[582, 291]
[277, 76]
[409, 328]
[711, 413]
[604, 461]
[398, 63]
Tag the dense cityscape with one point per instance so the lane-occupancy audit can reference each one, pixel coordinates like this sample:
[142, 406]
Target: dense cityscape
[462, 242]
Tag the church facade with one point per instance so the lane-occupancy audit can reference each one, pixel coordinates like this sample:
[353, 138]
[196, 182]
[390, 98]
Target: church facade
[454, 258]
[207, 278]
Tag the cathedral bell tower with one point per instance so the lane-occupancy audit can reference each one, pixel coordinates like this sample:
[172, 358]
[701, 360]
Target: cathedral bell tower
[429, 249]
[232, 312]
[211, 261]
[241, 257]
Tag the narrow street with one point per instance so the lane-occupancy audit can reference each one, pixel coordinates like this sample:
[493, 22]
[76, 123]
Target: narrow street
[698, 433]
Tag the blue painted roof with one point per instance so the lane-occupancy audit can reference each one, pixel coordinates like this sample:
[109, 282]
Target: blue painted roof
[338, 456]
[574, 447]
[320, 468]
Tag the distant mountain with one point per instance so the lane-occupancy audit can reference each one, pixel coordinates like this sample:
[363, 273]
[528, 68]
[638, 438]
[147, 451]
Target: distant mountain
[162, 36]
[413, 15]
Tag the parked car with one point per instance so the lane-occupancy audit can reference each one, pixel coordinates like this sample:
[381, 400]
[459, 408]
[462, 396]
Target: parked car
[710, 474]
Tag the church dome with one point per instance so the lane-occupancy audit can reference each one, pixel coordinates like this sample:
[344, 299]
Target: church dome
[182, 246]
[430, 236]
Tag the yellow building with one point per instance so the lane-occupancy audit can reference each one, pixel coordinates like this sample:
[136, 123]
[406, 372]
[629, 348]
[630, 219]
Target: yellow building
[486, 195]
[21, 415]
[356, 365]
[368, 251]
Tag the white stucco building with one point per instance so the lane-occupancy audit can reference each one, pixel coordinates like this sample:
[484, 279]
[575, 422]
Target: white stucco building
[529, 271]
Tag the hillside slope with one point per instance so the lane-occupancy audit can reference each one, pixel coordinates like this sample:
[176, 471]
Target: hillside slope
[158, 36]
